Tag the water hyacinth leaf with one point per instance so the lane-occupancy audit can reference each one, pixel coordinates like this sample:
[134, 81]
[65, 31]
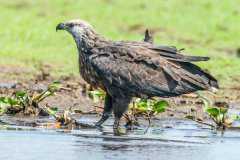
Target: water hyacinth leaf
[9, 101]
[52, 110]
[142, 103]
[21, 94]
[235, 117]
[96, 95]
[1, 110]
[54, 86]
[3, 100]
[12, 101]
[142, 109]
[160, 106]
[223, 110]
[3, 107]
[213, 111]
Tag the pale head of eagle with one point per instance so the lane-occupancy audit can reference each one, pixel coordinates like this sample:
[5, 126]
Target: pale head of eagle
[82, 32]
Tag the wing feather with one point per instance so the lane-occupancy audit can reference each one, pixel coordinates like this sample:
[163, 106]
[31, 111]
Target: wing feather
[135, 71]
[173, 54]
[169, 52]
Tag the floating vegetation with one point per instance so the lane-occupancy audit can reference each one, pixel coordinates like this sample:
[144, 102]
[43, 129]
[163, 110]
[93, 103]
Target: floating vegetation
[26, 103]
[139, 107]
[146, 108]
[217, 112]
[96, 95]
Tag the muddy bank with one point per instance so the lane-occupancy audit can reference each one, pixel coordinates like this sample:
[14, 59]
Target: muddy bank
[74, 93]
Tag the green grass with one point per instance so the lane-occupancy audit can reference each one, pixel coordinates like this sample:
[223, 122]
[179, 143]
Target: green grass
[207, 27]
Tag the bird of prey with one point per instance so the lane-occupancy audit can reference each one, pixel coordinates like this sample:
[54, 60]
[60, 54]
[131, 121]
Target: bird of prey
[127, 69]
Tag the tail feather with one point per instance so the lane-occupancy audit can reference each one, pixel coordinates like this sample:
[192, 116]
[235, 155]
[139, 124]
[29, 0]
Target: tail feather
[183, 58]
[193, 69]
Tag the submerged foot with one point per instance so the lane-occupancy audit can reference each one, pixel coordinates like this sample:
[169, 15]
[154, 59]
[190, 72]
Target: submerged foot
[98, 125]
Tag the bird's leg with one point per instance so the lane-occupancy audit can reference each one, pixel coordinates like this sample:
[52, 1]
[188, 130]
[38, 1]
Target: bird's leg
[116, 129]
[107, 110]
[119, 107]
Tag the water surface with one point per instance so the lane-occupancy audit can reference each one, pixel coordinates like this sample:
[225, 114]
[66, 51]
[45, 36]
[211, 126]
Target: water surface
[167, 140]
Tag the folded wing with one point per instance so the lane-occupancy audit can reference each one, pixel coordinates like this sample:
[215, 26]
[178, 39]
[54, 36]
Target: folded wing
[141, 71]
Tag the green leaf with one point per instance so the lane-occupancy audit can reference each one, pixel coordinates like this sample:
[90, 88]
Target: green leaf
[213, 111]
[8, 100]
[52, 110]
[21, 94]
[160, 106]
[223, 110]
[235, 117]
[3, 100]
[53, 87]
[12, 101]
[3, 107]
[142, 104]
[96, 95]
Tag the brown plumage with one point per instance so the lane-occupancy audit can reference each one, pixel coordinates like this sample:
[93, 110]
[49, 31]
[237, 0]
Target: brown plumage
[126, 69]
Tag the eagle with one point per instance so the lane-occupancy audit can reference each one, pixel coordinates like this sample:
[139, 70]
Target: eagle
[127, 69]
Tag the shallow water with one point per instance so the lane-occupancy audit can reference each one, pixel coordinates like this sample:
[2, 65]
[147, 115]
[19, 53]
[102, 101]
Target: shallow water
[169, 139]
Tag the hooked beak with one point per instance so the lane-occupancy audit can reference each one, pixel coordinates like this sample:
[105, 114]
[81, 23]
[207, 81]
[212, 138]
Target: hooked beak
[60, 26]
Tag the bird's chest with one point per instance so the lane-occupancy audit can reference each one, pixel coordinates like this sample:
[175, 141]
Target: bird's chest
[87, 71]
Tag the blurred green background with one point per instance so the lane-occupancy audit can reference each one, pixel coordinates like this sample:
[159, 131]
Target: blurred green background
[207, 27]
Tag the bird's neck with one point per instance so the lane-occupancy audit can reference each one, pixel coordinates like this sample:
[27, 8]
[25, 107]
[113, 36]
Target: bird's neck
[83, 44]
[86, 42]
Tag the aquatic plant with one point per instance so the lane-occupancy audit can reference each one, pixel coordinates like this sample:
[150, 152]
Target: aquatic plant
[217, 112]
[146, 108]
[27, 103]
[139, 107]
[96, 95]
